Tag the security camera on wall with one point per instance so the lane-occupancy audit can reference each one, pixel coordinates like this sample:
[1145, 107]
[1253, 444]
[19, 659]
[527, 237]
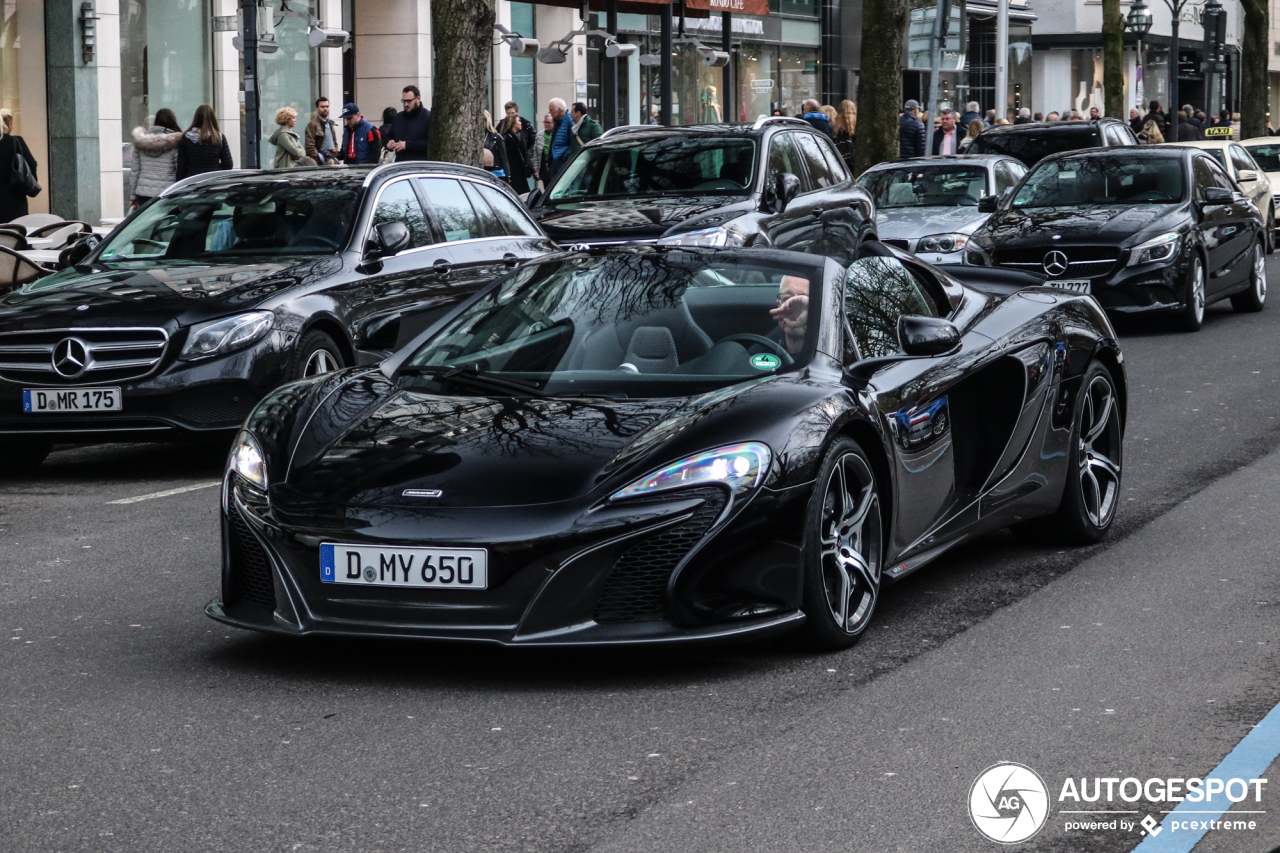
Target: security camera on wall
[328, 37]
[615, 50]
[713, 58]
[551, 55]
[523, 48]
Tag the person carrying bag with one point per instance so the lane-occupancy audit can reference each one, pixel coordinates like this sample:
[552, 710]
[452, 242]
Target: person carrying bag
[21, 184]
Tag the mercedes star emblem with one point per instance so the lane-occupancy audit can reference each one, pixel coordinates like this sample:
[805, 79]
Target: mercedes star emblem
[70, 357]
[1055, 263]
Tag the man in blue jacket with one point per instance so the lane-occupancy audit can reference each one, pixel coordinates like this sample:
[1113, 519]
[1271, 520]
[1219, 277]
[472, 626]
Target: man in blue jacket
[361, 142]
[817, 118]
[561, 137]
[910, 131]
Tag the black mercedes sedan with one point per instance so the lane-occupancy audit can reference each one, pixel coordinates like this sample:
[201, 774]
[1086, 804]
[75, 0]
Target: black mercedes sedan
[645, 445]
[1158, 230]
[232, 283]
[775, 184]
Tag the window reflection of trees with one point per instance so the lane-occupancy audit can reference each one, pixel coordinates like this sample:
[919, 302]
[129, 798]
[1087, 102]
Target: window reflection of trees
[1100, 180]
[398, 204]
[877, 292]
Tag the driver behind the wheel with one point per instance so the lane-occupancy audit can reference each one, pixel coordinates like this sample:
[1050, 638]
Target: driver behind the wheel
[791, 313]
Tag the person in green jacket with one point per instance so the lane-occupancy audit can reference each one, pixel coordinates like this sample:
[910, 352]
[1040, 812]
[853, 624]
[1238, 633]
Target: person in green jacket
[585, 128]
[544, 157]
[289, 148]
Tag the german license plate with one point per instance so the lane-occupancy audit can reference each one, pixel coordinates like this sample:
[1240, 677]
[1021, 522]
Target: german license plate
[44, 401]
[1075, 286]
[429, 568]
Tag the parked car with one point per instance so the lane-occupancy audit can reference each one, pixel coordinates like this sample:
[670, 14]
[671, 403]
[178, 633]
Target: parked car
[1152, 230]
[929, 205]
[1251, 178]
[640, 445]
[775, 184]
[232, 283]
[1036, 140]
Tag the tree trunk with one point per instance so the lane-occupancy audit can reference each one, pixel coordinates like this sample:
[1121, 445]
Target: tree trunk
[884, 26]
[462, 32]
[1253, 69]
[1113, 59]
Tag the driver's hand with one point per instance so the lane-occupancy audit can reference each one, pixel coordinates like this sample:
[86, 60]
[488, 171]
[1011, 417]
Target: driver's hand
[793, 314]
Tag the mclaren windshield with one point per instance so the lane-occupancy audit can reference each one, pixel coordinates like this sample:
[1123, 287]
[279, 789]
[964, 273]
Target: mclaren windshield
[635, 324]
[1086, 181]
[659, 166]
[282, 217]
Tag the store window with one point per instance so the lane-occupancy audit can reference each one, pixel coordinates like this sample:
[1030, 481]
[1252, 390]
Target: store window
[807, 8]
[22, 83]
[757, 86]
[165, 59]
[289, 77]
[524, 70]
[797, 78]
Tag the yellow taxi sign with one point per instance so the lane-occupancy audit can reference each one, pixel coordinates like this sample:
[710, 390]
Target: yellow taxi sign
[1222, 131]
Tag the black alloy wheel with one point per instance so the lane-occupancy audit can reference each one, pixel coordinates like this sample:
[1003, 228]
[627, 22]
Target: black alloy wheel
[1253, 299]
[1191, 318]
[316, 354]
[23, 455]
[1092, 492]
[843, 550]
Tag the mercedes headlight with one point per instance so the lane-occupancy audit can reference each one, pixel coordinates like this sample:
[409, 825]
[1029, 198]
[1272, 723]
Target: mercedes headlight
[1162, 248]
[711, 238]
[943, 243]
[741, 467]
[246, 459]
[229, 334]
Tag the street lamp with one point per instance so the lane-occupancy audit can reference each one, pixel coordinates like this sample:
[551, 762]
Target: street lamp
[1138, 21]
[1175, 11]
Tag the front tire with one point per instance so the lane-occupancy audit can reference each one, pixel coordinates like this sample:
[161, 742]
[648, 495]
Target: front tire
[1192, 316]
[843, 549]
[24, 456]
[316, 354]
[1252, 300]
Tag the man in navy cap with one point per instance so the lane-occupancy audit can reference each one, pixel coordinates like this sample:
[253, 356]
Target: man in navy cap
[361, 142]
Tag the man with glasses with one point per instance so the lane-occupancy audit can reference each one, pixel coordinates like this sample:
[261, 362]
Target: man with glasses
[410, 128]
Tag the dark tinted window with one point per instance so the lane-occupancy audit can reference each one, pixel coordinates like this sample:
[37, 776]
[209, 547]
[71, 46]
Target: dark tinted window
[457, 218]
[1004, 177]
[834, 162]
[1267, 155]
[1084, 181]
[659, 166]
[877, 291]
[397, 203]
[783, 157]
[1203, 175]
[1033, 146]
[489, 224]
[819, 172]
[514, 221]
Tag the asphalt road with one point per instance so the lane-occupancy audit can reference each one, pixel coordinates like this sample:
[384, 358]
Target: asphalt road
[128, 721]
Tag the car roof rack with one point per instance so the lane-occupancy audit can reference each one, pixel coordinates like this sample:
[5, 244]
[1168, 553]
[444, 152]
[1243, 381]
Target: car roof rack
[763, 120]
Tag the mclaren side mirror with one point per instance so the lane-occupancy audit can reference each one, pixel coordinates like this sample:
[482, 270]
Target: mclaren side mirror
[988, 204]
[74, 255]
[785, 190]
[1217, 195]
[926, 336]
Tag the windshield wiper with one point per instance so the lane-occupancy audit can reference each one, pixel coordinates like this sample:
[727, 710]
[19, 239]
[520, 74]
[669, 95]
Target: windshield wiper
[471, 374]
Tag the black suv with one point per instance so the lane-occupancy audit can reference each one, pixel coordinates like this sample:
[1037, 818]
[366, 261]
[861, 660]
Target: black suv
[1032, 142]
[777, 183]
[230, 283]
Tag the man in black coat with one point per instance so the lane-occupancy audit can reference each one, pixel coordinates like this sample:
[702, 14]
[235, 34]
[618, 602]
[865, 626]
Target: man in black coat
[911, 136]
[1187, 132]
[972, 112]
[1135, 120]
[526, 127]
[411, 128]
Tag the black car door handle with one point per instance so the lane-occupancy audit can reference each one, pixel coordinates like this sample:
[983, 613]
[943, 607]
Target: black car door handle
[510, 259]
[442, 268]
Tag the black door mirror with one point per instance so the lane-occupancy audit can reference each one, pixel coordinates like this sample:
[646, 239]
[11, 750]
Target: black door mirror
[920, 335]
[534, 196]
[785, 189]
[388, 238]
[1217, 195]
[75, 254]
[988, 204]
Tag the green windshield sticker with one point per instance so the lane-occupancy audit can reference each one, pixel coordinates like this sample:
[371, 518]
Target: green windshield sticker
[764, 361]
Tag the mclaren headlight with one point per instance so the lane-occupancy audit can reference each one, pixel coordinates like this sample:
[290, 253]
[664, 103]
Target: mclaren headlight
[741, 467]
[246, 460]
[1162, 248]
[943, 243]
[229, 334]
[710, 238]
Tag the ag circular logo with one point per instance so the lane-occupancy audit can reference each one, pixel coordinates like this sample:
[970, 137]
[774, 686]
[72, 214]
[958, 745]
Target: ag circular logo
[1008, 802]
[764, 361]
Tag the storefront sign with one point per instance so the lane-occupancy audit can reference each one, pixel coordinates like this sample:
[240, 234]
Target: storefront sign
[737, 7]
[740, 26]
[762, 85]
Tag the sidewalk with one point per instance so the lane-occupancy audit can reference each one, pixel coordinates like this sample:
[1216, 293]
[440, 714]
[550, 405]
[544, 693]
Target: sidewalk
[1151, 660]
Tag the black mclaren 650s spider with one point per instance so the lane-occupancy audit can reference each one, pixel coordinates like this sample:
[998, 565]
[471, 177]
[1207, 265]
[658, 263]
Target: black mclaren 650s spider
[654, 444]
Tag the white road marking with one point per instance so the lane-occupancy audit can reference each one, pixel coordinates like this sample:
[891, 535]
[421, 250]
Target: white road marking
[166, 493]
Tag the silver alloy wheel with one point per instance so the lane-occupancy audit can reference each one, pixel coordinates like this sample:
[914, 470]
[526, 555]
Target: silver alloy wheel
[850, 540]
[1197, 290]
[1260, 276]
[1099, 436]
[321, 361]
